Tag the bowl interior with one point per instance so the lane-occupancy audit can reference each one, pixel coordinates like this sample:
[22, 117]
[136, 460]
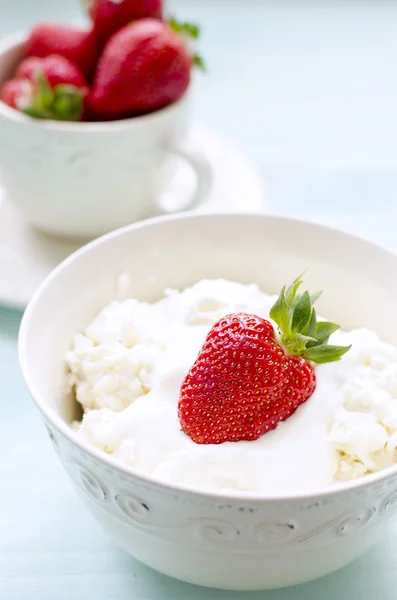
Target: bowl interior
[359, 280]
[10, 56]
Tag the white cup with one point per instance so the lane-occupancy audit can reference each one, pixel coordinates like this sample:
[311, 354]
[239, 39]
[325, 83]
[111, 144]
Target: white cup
[84, 179]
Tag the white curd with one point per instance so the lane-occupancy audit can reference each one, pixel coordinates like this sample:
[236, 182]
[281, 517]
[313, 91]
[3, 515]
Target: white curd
[128, 365]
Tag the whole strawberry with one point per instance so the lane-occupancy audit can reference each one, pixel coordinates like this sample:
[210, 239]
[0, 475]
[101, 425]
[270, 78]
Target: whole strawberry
[144, 67]
[245, 381]
[108, 16]
[47, 88]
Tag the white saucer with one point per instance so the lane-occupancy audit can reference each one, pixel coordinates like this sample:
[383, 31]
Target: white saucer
[27, 256]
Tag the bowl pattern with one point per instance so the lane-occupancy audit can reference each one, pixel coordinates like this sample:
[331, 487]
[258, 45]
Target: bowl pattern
[236, 526]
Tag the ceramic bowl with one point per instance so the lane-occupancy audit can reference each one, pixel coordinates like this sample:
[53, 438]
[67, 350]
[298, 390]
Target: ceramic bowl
[237, 542]
[64, 177]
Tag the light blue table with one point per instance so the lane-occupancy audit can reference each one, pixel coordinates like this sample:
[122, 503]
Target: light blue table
[309, 91]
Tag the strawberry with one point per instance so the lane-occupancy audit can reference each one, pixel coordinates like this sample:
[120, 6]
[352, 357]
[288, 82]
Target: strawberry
[53, 88]
[109, 16]
[143, 67]
[56, 69]
[14, 91]
[246, 380]
[77, 45]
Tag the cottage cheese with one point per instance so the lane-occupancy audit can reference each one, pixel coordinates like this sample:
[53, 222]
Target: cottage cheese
[128, 365]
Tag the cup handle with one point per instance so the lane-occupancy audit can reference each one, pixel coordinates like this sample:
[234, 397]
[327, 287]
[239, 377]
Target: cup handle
[202, 169]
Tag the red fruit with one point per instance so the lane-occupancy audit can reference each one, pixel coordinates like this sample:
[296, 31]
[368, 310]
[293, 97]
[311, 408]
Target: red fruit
[15, 91]
[27, 68]
[243, 382]
[58, 88]
[55, 68]
[78, 45]
[143, 67]
[109, 16]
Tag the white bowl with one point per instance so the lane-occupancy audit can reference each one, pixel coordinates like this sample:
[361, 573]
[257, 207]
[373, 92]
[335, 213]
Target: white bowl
[234, 542]
[64, 177]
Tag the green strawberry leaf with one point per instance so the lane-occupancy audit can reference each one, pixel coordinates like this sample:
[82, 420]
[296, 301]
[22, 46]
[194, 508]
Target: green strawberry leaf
[68, 103]
[280, 315]
[324, 329]
[301, 342]
[301, 314]
[44, 95]
[63, 103]
[311, 330]
[199, 62]
[38, 103]
[290, 294]
[299, 331]
[36, 113]
[191, 30]
[324, 353]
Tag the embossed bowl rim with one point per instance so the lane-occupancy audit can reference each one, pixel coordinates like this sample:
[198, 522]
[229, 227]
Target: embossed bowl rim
[15, 40]
[252, 497]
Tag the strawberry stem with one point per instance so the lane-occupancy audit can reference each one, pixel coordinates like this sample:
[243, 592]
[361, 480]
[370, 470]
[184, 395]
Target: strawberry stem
[64, 102]
[299, 331]
[191, 30]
